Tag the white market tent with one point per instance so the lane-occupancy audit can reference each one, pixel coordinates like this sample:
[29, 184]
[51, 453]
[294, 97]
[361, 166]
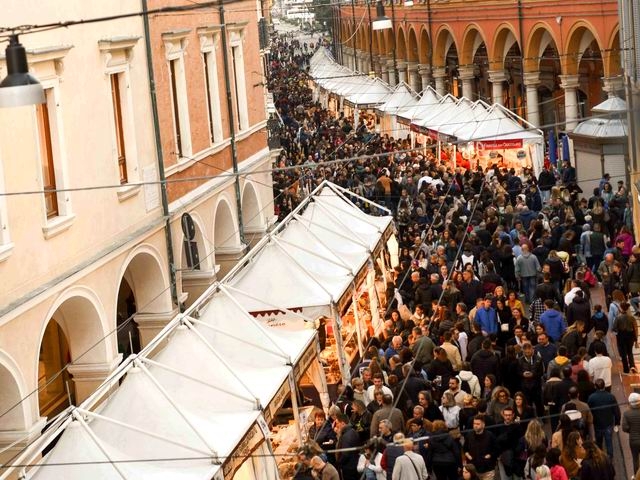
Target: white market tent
[179, 409]
[312, 261]
[428, 98]
[493, 129]
[197, 398]
[402, 98]
[373, 95]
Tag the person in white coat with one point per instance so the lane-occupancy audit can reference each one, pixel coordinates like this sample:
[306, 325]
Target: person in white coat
[410, 465]
[369, 463]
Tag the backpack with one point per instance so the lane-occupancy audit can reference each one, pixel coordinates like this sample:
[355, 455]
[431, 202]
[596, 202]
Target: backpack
[464, 385]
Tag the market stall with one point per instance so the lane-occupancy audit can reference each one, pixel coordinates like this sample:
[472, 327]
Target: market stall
[402, 98]
[320, 265]
[367, 98]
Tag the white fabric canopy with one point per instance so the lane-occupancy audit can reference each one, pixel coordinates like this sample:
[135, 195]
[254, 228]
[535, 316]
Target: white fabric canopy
[402, 97]
[373, 95]
[428, 98]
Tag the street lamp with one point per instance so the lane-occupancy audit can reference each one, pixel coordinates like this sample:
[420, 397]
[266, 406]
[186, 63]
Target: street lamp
[19, 87]
[382, 22]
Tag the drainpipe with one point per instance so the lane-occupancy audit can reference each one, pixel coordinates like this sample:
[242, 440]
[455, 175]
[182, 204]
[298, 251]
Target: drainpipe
[160, 158]
[232, 124]
[523, 93]
[430, 52]
[371, 69]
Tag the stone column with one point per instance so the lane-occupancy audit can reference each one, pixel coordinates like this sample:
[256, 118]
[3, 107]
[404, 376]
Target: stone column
[347, 60]
[384, 69]
[497, 77]
[392, 72]
[425, 76]
[87, 377]
[570, 85]
[414, 78]
[440, 73]
[531, 82]
[613, 86]
[376, 65]
[467, 75]
[402, 71]
[150, 324]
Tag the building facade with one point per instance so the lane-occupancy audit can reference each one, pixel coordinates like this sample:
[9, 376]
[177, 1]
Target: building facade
[549, 61]
[96, 252]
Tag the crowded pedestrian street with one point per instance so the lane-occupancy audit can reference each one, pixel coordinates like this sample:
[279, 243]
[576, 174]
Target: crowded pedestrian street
[509, 344]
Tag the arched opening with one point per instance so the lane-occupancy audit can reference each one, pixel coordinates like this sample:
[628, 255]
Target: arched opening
[401, 51]
[551, 108]
[513, 86]
[128, 333]
[12, 408]
[424, 51]
[445, 54]
[474, 59]
[195, 251]
[252, 218]
[412, 50]
[590, 72]
[53, 381]
[225, 232]
[148, 281]
[75, 333]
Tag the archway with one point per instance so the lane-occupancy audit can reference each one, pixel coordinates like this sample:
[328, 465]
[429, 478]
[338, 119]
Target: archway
[584, 59]
[53, 381]
[128, 334]
[13, 411]
[542, 57]
[445, 54]
[424, 51]
[507, 58]
[225, 231]
[474, 59]
[412, 48]
[75, 332]
[252, 218]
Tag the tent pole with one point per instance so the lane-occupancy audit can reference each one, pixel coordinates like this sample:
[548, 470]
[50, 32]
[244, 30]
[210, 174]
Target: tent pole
[356, 316]
[294, 405]
[337, 333]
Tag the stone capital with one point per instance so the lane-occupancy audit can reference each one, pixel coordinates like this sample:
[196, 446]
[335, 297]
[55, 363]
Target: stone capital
[497, 76]
[569, 81]
[94, 371]
[439, 72]
[412, 66]
[467, 73]
[531, 79]
[612, 85]
[424, 69]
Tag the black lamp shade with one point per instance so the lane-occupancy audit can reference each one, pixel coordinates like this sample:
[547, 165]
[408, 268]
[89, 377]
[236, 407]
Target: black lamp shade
[19, 87]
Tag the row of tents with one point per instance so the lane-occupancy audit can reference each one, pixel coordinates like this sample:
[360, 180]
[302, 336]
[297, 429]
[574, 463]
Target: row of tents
[461, 122]
[197, 402]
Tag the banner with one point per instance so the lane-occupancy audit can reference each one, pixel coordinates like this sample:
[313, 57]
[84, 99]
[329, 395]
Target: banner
[500, 144]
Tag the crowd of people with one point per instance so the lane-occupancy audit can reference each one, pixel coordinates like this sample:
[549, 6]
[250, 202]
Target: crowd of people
[494, 360]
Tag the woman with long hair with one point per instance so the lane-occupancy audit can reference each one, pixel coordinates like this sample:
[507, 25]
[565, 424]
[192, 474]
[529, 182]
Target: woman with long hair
[559, 437]
[596, 464]
[535, 436]
[572, 455]
[469, 472]
[490, 383]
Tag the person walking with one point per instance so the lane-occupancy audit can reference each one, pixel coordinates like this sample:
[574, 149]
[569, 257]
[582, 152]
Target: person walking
[606, 415]
[596, 464]
[626, 330]
[324, 470]
[480, 448]
[347, 456]
[410, 465]
[631, 425]
[527, 269]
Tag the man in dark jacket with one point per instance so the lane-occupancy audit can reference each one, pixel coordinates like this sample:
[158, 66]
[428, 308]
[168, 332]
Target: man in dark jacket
[485, 362]
[606, 415]
[480, 447]
[507, 434]
[531, 371]
[578, 309]
[546, 180]
[470, 289]
[348, 438]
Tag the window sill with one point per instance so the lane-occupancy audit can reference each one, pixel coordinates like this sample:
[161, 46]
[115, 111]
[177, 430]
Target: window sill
[5, 251]
[57, 225]
[127, 191]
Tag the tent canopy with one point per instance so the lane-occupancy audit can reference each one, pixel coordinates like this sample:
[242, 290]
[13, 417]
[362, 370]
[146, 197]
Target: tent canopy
[428, 99]
[401, 98]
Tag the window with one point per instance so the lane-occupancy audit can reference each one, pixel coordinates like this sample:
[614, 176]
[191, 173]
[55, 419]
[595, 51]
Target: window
[240, 91]
[179, 107]
[116, 99]
[117, 53]
[46, 158]
[213, 96]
